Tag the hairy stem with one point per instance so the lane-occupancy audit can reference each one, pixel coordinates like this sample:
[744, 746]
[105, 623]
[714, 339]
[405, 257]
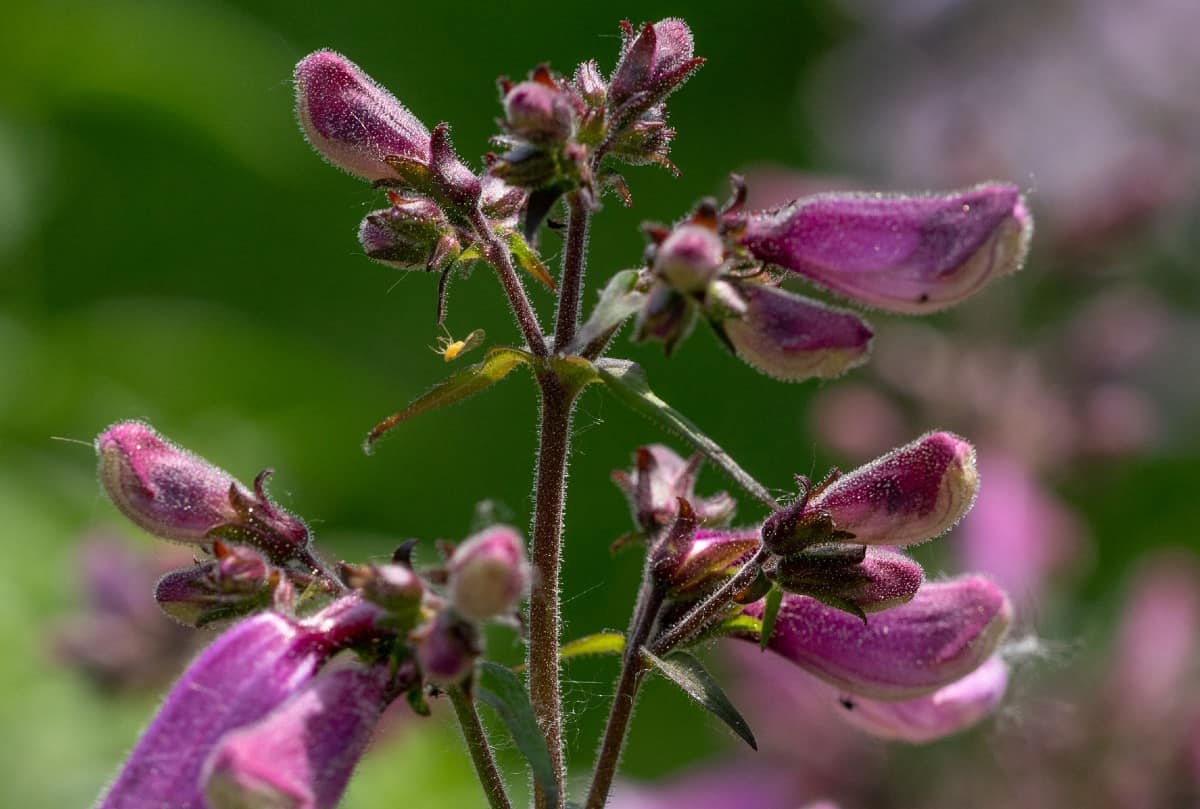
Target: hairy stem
[633, 667]
[554, 439]
[574, 264]
[481, 752]
[501, 259]
[700, 616]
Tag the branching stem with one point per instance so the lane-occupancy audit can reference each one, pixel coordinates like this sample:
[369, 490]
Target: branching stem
[501, 259]
[481, 752]
[574, 263]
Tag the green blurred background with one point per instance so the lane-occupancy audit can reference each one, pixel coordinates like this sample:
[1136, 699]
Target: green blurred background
[171, 250]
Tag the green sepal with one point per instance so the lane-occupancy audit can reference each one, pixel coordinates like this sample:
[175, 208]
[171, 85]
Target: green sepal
[529, 259]
[600, 643]
[771, 604]
[415, 697]
[690, 675]
[496, 364]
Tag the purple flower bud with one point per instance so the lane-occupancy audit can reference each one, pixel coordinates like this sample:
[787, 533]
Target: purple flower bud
[912, 494]
[589, 83]
[239, 679]
[666, 317]
[301, 754]
[488, 574]
[944, 633]
[394, 587]
[947, 711]
[654, 62]
[794, 338]
[412, 234]
[657, 482]
[352, 121]
[163, 488]
[176, 495]
[447, 648]
[237, 582]
[878, 580]
[539, 111]
[690, 258]
[710, 556]
[501, 201]
[912, 254]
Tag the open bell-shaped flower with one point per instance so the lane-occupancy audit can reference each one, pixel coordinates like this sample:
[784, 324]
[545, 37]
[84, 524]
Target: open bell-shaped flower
[301, 754]
[911, 254]
[947, 711]
[947, 631]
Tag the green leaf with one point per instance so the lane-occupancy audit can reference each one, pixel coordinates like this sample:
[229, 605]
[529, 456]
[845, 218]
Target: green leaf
[529, 260]
[627, 381]
[601, 643]
[619, 299]
[770, 613]
[500, 689]
[690, 675]
[496, 365]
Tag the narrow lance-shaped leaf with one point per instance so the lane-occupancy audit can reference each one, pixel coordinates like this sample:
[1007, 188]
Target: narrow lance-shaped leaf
[502, 690]
[529, 260]
[619, 300]
[628, 383]
[601, 643]
[466, 383]
[690, 675]
[770, 613]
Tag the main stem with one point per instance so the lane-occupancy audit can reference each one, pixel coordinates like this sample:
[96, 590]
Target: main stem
[633, 667]
[554, 439]
[481, 752]
[574, 264]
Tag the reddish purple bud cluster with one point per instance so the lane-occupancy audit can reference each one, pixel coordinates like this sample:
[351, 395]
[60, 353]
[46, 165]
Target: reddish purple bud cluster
[656, 484]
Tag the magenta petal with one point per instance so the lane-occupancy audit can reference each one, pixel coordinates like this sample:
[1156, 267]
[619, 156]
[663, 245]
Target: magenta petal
[912, 254]
[912, 494]
[944, 633]
[352, 121]
[947, 711]
[302, 754]
[793, 338]
[239, 679]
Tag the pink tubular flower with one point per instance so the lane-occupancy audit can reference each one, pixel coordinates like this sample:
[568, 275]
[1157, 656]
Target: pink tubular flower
[246, 674]
[300, 755]
[908, 496]
[352, 121]
[793, 338]
[911, 254]
[943, 634]
[947, 711]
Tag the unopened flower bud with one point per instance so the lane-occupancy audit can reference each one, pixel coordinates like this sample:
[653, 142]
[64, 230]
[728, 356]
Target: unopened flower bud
[447, 648]
[237, 582]
[300, 755]
[912, 254]
[352, 121]
[877, 580]
[163, 488]
[488, 574]
[654, 62]
[659, 478]
[710, 557]
[590, 84]
[393, 587]
[947, 631]
[794, 338]
[176, 495]
[666, 317]
[912, 494]
[412, 234]
[456, 183]
[949, 710]
[539, 111]
[690, 258]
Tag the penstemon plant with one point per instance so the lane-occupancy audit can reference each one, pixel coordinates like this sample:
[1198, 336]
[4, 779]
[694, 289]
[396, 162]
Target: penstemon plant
[278, 710]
